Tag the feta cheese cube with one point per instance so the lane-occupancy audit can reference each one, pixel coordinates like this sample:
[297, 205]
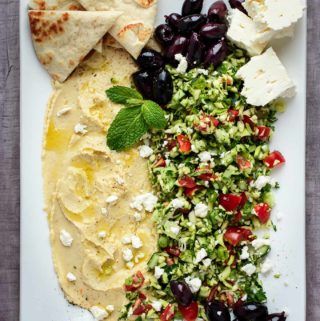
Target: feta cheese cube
[146, 201]
[266, 266]
[112, 199]
[205, 157]
[259, 243]
[136, 242]
[183, 63]
[80, 129]
[265, 79]
[177, 203]
[244, 253]
[127, 254]
[110, 308]
[262, 181]
[201, 210]
[157, 305]
[249, 269]
[66, 238]
[102, 234]
[194, 284]
[158, 272]
[98, 313]
[200, 256]
[145, 151]
[71, 277]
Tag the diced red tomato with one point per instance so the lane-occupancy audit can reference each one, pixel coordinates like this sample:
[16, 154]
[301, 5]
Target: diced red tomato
[184, 143]
[142, 296]
[187, 181]
[233, 114]
[168, 313]
[235, 235]
[243, 200]
[171, 144]
[247, 120]
[207, 177]
[237, 217]
[173, 250]
[230, 202]
[263, 132]
[161, 162]
[242, 162]
[189, 192]
[189, 313]
[142, 308]
[206, 121]
[137, 282]
[263, 212]
[274, 159]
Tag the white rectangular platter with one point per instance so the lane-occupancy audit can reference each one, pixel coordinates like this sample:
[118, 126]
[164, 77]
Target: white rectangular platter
[41, 297]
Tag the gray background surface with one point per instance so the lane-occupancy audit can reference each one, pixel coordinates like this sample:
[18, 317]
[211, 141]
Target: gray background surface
[9, 161]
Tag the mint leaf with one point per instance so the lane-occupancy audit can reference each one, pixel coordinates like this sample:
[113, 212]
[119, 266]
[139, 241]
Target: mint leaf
[153, 115]
[120, 94]
[126, 129]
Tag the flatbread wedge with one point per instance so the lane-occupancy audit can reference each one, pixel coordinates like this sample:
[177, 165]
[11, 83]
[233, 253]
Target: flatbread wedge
[55, 5]
[62, 39]
[134, 27]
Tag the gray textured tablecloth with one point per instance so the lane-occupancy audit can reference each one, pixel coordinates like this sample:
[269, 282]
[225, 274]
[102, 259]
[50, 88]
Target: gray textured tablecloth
[9, 161]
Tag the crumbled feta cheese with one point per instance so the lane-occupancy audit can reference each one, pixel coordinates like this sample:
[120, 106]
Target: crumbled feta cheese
[66, 238]
[136, 242]
[244, 253]
[102, 234]
[112, 199]
[265, 79]
[126, 240]
[266, 266]
[139, 257]
[71, 277]
[157, 305]
[262, 181]
[201, 210]
[110, 308]
[80, 129]
[127, 254]
[194, 284]
[207, 262]
[63, 111]
[130, 265]
[146, 201]
[205, 157]
[137, 216]
[104, 211]
[200, 255]
[175, 230]
[183, 63]
[203, 71]
[119, 180]
[249, 269]
[158, 272]
[98, 313]
[177, 203]
[259, 243]
[145, 151]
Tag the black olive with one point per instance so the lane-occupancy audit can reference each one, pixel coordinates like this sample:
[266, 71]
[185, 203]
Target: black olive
[217, 311]
[181, 292]
[143, 82]
[162, 87]
[217, 12]
[179, 46]
[195, 50]
[250, 311]
[190, 23]
[216, 54]
[173, 19]
[237, 4]
[191, 7]
[277, 317]
[212, 31]
[150, 59]
[164, 34]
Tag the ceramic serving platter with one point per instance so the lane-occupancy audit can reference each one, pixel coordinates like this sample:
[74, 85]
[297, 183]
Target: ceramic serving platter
[41, 297]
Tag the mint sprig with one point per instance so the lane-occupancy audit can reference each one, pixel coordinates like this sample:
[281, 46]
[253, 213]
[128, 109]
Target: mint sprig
[134, 120]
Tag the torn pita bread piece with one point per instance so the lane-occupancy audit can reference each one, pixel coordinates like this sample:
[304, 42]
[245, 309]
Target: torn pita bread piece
[134, 27]
[55, 5]
[62, 39]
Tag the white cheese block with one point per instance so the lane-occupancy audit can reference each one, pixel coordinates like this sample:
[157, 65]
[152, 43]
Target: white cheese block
[243, 32]
[265, 79]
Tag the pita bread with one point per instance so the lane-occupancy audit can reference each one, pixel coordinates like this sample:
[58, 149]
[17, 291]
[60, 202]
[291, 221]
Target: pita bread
[135, 27]
[62, 39]
[55, 5]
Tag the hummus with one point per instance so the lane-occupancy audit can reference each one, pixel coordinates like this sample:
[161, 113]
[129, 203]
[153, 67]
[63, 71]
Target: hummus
[99, 236]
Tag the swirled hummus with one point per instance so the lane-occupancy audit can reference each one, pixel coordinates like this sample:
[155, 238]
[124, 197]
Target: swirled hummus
[99, 234]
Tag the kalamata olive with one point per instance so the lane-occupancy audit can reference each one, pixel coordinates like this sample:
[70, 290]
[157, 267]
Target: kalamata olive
[191, 7]
[162, 87]
[179, 46]
[217, 12]
[150, 59]
[143, 82]
[217, 311]
[212, 31]
[216, 53]
[250, 311]
[195, 50]
[237, 4]
[190, 23]
[173, 19]
[164, 34]
[277, 317]
[181, 292]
